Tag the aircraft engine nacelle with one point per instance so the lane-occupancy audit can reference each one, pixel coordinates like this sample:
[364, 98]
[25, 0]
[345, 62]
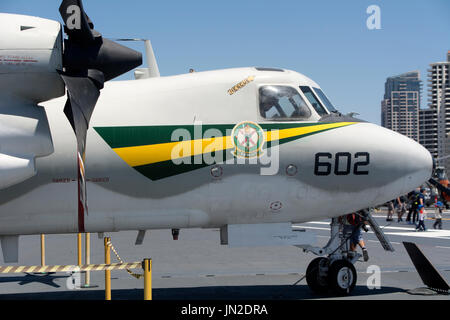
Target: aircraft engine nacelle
[14, 170]
[24, 135]
[30, 56]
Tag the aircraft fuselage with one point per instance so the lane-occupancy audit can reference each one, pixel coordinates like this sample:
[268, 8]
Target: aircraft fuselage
[139, 176]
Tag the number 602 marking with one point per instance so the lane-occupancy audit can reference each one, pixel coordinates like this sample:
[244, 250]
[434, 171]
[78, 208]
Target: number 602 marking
[342, 163]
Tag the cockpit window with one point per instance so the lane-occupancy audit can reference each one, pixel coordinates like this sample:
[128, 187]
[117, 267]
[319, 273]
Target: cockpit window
[282, 103]
[325, 100]
[313, 100]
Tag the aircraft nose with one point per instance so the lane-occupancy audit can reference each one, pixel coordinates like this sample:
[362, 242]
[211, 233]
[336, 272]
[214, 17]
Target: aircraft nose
[421, 161]
[405, 160]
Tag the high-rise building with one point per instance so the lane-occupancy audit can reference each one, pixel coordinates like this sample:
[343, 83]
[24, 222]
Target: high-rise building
[446, 162]
[435, 121]
[401, 104]
[428, 120]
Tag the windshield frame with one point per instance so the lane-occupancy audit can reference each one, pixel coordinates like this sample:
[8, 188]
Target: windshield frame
[320, 110]
[325, 101]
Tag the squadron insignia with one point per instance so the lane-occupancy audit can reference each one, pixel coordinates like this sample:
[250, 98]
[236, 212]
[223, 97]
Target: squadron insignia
[248, 140]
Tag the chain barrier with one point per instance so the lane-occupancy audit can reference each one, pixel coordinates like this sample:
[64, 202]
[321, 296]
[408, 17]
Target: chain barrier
[135, 275]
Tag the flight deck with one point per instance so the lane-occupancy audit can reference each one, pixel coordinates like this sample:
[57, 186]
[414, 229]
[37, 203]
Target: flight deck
[197, 267]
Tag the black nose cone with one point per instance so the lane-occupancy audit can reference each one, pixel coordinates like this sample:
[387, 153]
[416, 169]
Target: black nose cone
[115, 59]
[109, 57]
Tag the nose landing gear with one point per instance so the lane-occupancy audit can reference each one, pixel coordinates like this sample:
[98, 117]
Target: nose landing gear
[336, 271]
[342, 277]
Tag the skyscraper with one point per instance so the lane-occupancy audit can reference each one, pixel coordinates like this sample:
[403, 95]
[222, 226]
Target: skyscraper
[435, 121]
[401, 104]
[428, 120]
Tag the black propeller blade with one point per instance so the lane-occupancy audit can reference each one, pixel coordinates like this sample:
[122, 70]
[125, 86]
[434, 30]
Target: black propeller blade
[77, 24]
[89, 61]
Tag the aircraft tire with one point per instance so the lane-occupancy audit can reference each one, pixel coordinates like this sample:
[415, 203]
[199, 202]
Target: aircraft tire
[316, 283]
[342, 277]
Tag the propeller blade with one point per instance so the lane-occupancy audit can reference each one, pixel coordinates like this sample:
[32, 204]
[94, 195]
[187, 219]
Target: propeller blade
[77, 24]
[82, 96]
[88, 61]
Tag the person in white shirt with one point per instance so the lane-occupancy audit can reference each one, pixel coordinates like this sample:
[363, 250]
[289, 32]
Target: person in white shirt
[438, 215]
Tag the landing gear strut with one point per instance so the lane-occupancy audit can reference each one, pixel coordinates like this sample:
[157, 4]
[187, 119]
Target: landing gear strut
[334, 269]
[334, 272]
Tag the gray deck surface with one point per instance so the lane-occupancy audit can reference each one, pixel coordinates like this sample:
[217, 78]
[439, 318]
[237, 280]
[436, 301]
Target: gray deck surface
[198, 267]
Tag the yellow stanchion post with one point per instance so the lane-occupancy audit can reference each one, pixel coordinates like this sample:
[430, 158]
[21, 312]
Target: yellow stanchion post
[147, 265]
[42, 250]
[87, 260]
[79, 261]
[107, 272]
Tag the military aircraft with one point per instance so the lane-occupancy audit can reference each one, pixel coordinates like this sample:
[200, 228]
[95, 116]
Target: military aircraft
[248, 150]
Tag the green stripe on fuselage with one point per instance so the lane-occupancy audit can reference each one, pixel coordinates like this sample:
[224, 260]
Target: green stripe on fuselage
[120, 137]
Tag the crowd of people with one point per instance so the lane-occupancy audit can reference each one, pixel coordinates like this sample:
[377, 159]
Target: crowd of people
[414, 204]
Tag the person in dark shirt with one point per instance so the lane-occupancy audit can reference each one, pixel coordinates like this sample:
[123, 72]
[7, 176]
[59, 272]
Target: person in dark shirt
[420, 204]
[412, 207]
[416, 199]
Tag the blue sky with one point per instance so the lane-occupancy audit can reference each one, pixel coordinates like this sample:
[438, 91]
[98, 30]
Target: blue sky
[327, 41]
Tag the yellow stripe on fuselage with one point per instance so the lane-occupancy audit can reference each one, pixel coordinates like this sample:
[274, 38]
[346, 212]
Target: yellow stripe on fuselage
[148, 154]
